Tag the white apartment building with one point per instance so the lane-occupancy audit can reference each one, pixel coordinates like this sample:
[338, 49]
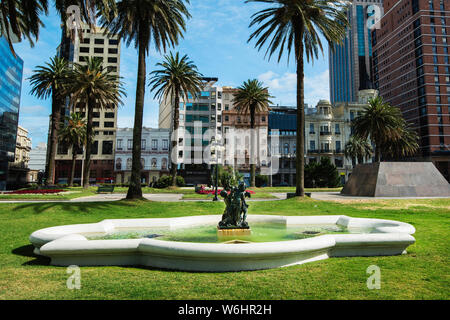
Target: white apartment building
[155, 154]
[95, 44]
[204, 113]
[327, 131]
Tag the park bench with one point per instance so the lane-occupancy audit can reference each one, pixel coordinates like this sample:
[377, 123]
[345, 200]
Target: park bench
[105, 189]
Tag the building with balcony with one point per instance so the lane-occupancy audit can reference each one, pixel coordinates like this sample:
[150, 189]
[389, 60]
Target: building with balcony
[327, 130]
[18, 171]
[106, 47]
[11, 70]
[154, 153]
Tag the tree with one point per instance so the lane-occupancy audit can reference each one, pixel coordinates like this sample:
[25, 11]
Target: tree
[405, 145]
[358, 148]
[74, 134]
[250, 98]
[93, 86]
[52, 80]
[385, 127]
[296, 24]
[321, 174]
[141, 21]
[176, 78]
[20, 18]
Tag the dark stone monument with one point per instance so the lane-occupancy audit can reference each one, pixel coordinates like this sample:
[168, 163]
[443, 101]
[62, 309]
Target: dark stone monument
[397, 179]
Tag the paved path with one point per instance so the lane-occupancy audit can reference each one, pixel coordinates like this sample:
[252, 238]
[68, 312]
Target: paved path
[336, 196]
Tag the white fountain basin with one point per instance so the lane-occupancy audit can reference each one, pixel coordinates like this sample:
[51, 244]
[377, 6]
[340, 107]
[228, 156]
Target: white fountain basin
[66, 246]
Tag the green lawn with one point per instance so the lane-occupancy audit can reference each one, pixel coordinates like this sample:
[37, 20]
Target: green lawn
[421, 274]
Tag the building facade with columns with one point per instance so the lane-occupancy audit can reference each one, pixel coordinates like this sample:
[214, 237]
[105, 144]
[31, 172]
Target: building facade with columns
[155, 154]
[327, 130]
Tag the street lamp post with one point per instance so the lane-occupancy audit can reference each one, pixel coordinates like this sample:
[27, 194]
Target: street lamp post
[216, 149]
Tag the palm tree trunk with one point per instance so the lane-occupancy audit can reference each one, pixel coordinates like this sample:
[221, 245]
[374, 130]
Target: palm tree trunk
[87, 161]
[135, 190]
[176, 122]
[252, 147]
[56, 118]
[74, 161]
[300, 152]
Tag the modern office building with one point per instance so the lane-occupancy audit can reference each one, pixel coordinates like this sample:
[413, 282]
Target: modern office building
[94, 44]
[200, 120]
[155, 154]
[11, 71]
[412, 71]
[37, 157]
[350, 63]
[327, 131]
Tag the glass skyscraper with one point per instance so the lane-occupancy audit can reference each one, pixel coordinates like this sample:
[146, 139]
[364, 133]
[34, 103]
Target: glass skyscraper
[351, 62]
[11, 70]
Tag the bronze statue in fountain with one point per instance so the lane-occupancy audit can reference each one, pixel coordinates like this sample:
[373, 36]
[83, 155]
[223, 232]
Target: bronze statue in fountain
[235, 214]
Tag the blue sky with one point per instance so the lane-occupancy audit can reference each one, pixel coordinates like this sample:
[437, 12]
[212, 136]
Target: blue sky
[216, 40]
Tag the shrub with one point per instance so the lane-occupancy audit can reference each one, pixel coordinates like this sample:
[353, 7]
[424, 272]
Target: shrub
[261, 181]
[166, 181]
[321, 174]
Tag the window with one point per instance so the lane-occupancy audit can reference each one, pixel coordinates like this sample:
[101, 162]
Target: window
[154, 163]
[119, 144]
[143, 144]
[96, 124]
[84, 49]
[107, 147]
[99, 41]
[113, 42]
[311, 128]
[113, 51]
[129, 163]
[164, 164]
[338, 146]
[337, 128]
[109, 124]
[130, 144]
[112, 60]
[98, 50]
[94, 148]
[312, 145]
[154, 144]
[109, 115]
[112, 69]
[165, 144]
[96, 114]
[286, 148]
[119, 164]
[62, 148]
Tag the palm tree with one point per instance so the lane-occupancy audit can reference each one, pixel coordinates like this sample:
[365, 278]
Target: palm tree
[73, 134]
[358, 148]
[20, 18]
[296, 24]
[381, 122]
[405, 145]
[252, 97]
[94, 86]
[51, 80]
[141, 21]
[176, 78]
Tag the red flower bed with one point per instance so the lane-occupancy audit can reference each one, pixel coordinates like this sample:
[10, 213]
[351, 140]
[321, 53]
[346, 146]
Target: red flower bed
[43, 191]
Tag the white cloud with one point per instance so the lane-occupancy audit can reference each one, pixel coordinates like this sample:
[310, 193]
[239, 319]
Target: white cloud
[284, 87]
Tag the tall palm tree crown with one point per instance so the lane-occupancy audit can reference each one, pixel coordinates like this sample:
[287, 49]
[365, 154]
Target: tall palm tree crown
[358, 148]
[52, 80]
[94, 86]
[296, 25]
[73, 133]
[381, 123]
[161, 22]
[252, 97]
[176, 78]
[20, 18]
